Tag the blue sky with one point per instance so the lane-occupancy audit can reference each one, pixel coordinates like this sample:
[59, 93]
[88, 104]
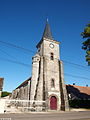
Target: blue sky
[22, 23]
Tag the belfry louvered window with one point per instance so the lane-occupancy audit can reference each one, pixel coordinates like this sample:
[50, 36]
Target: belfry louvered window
[52, 56]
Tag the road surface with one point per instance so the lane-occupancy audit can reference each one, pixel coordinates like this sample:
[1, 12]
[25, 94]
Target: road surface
[84, 115]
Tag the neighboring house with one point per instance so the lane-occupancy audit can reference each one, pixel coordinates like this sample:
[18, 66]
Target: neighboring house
[1, 86]
[78, 92]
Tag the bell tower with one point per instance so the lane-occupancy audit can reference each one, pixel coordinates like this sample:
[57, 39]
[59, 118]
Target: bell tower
[47, 83]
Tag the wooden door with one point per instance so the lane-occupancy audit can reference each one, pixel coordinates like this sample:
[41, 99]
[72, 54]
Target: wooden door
[53, 103]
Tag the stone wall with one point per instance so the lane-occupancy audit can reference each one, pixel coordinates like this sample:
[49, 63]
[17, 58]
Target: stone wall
[22, 92]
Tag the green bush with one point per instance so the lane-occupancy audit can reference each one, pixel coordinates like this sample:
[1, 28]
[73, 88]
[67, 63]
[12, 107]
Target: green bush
[5, 93]
[79, 104]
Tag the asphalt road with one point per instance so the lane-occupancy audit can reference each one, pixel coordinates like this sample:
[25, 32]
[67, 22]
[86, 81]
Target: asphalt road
[48, 116]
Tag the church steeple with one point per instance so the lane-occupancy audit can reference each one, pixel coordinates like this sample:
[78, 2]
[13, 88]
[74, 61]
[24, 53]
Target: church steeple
[47, 32]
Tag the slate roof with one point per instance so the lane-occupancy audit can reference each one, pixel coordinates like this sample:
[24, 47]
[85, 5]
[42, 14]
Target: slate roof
[24, 83]
[47, 32]
[1, 83]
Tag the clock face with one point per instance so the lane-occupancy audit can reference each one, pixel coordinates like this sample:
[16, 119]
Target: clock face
[51, 45]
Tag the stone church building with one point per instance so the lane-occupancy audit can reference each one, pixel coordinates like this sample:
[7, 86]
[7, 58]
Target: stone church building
[47, 81]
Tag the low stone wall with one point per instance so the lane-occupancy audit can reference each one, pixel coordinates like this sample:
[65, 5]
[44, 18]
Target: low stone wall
[2, 105]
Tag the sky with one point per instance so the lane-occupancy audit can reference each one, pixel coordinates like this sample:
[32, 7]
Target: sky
[22, 24]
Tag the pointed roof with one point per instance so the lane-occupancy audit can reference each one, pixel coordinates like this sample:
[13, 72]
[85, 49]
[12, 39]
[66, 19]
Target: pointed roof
[24, 83]
[47, 32]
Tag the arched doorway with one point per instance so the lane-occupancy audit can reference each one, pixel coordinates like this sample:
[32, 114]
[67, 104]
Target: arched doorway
[53, 103]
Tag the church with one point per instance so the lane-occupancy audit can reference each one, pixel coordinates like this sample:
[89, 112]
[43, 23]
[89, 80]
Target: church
[45, 88]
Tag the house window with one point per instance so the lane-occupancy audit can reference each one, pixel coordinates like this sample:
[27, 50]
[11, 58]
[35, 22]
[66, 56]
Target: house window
[52, 83]
[52, 56]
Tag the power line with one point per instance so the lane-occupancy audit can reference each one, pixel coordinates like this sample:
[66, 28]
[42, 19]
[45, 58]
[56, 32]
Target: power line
[31, 51]
[83, 68]
[75, 76]
[27, 65]
[7, 54]
[15, 46]
[74, 64]
[46, 56]
[28, 50]
[13, 61]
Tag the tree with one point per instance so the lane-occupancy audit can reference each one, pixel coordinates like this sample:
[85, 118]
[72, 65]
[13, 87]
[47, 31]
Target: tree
[5, 93]
[86, 43]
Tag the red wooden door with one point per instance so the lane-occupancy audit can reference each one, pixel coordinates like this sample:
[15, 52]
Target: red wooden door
[53, 103]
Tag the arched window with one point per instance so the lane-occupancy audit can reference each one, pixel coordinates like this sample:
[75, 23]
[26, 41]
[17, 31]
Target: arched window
[52, 56]
[52, 83]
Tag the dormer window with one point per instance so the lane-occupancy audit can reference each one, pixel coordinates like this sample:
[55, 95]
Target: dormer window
[52, 56]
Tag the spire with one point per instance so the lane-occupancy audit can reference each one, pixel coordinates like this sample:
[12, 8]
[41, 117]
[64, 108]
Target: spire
[47, 31]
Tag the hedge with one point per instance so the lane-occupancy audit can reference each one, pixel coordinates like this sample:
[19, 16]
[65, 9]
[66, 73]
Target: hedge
[79, 104]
